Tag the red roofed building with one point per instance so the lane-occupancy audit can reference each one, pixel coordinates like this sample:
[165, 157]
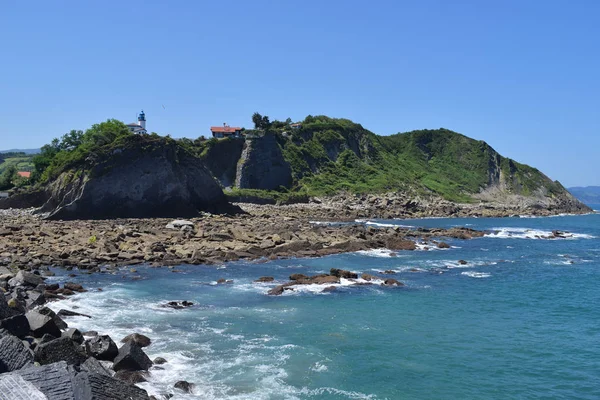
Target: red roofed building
[226, 131]
[24, 174]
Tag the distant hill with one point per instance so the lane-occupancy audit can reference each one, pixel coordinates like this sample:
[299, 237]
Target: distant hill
[26, 151]
[587, 194]
[326, 156]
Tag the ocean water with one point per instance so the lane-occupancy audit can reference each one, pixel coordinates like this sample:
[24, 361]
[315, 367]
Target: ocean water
[521, 320]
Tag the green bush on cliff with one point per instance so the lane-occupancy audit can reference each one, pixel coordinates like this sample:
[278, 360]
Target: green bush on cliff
[73, 148]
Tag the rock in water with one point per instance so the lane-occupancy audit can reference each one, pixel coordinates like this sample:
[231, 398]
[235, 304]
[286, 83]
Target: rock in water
[13, 354]
[101, 348]
[341, 273]
[146, 177]
[131, 357]
[139, 339]
[185, 386]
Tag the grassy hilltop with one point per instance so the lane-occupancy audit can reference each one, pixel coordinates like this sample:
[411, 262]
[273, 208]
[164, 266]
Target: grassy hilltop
[329, 155]
[323, 156]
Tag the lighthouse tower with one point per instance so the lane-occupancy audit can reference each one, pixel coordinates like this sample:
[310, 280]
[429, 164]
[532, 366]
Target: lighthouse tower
[142, 120]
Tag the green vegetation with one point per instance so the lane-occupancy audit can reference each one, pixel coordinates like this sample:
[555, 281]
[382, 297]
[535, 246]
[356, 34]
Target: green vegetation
[75, 147]
[330, 155]
[326, 156]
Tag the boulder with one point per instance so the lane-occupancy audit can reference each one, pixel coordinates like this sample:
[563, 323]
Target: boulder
[57, 320]
[101, 348]
[177, 305]
[392, 282]
[462, 262]
[5, 310]
[223, 281]
[41, 324]
[131, 377]
[131, 357]
[34, 299]
[342, 273]
[24, 278]
[159, 361]
[61, 349]
[185, 386]
[276, 291]
[321, 280]
[15, 387]
[69, 313]
[400, 244]
[93, 365]
[13, 354]
[17, 325]
[60, 381]
[140, 340]
[178, 224]
[329, 289]
[45, 339]
[74, 334]
[75, 287]
[297, 277]
[91, 386]
[443, 245]
[368, 277]
[265, 279]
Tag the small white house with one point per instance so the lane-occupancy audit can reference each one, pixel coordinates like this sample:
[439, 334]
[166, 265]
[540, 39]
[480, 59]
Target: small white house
[140, 126]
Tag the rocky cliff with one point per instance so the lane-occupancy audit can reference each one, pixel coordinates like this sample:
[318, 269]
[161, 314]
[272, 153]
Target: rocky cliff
[141, 177]
[262, 165]
[328, 156]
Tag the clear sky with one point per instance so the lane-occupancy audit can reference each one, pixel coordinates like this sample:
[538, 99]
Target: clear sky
[522, 75]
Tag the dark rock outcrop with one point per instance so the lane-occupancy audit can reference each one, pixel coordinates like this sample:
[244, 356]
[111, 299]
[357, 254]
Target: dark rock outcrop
[262, 165]
[61, 349]
[144, 177]
[131, 357]
[101, 348]
[137, 338]
[185, 386]
[41, 324]
[17, 325]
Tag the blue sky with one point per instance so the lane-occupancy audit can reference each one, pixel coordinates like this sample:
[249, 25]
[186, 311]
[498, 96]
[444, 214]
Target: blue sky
[522, 75]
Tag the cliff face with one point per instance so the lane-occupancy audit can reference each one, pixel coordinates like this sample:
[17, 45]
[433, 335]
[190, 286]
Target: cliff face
[146, 177]
[327, 156]
[262, 165]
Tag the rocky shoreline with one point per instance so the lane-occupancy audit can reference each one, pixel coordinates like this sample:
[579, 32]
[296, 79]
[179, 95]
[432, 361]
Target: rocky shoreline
[29, 242]
[42, 358]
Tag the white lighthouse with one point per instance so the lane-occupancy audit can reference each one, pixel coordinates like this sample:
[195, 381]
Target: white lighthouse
[142, 120]
[140, 125]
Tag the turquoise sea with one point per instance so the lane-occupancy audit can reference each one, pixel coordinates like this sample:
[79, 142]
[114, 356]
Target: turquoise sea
[521, 320]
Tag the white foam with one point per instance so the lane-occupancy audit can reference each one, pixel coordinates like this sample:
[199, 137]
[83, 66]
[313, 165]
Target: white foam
[385, 253]
[319, 367]
[381, 224]
[474, 274]
[318, 289]
[529, 233]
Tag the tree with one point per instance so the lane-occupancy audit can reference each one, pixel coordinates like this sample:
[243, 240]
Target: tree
[7, 177]
[72, 140]
[261, 122]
